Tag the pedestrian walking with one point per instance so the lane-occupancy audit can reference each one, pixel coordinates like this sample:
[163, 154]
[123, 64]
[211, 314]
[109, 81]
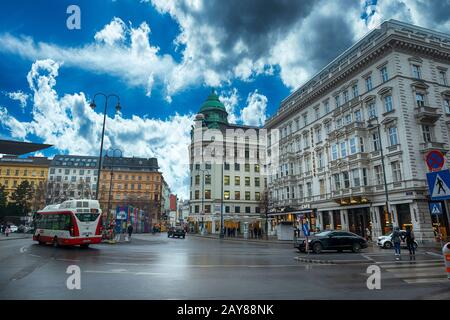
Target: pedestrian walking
[396, 240]
[368, 235]
[410, 243]
[130, 231]
[7, 231]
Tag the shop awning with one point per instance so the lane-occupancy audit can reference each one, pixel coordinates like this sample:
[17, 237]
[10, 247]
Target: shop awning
[287, 213]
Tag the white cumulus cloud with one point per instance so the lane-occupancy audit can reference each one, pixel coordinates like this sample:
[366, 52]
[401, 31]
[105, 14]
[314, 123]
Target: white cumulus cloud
[70, 125]
[254, 114]
[19, 96]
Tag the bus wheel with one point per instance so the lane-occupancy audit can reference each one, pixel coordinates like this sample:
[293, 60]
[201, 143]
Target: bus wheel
[38, 238]
[55, 242]
[84, 246]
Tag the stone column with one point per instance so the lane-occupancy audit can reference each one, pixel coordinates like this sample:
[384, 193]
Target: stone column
[213, 226]
[330, 214]
[344, 219]
[421, 220]
[377, 228]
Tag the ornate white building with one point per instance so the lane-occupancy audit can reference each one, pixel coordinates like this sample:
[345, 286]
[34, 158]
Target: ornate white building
[226, 171]
[385, 99]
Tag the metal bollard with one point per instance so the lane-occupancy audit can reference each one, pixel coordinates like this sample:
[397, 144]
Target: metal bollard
[446, 253]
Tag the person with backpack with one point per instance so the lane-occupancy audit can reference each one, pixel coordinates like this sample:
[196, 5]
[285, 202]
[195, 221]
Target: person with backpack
[396, 240]
[410, 242]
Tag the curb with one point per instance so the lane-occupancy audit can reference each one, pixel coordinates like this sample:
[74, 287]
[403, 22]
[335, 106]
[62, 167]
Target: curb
[335, 262]
[243, 240]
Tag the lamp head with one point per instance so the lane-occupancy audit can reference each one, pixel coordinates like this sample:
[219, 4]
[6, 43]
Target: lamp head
[92, 105]
[118, 107]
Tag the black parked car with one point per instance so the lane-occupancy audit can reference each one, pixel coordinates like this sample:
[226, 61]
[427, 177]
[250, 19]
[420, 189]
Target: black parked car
[332, 240]
[176, 232]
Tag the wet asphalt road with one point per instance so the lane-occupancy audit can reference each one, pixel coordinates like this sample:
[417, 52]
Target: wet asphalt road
[155, 267]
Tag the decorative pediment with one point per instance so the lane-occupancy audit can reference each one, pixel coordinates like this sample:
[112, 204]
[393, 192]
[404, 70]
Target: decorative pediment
[369, 98]
[415, 60]
[385, 90]
[446, 93]
[420, 85]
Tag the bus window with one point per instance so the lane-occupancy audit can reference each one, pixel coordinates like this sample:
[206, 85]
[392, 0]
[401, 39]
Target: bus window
[66, 222]
[87, 217]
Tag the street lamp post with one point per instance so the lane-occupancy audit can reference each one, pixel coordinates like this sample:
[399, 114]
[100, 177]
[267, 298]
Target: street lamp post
[386, 192]
[118, 108]
[111, 154]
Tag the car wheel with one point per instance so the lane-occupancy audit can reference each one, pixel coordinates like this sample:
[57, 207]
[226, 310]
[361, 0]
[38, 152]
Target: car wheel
[317, 247]
[387, 245]
[356, 247]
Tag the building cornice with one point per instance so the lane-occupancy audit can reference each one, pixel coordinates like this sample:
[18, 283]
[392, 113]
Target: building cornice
[393, 40]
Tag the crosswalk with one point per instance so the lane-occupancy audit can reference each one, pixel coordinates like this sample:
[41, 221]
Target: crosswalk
[424, 272]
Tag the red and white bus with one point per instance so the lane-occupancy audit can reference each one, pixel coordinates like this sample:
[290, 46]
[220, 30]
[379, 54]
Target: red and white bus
[73, 222]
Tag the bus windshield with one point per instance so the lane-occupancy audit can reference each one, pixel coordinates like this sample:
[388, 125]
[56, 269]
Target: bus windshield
[87, 217]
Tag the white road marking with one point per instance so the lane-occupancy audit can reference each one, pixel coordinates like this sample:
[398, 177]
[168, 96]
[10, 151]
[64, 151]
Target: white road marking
[206, 265]
[23, 249]
[35, 255]
[121, 271]
[69, 260]
[426, 280]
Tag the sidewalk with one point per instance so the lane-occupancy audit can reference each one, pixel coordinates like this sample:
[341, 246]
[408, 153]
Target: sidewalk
[15, 236]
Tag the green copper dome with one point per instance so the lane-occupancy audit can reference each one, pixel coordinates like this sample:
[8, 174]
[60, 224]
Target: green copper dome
[214, 111]
[212, 103]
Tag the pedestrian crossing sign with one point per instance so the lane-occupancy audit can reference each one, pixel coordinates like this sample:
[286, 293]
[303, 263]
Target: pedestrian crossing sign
[436, 208]
[439, 184]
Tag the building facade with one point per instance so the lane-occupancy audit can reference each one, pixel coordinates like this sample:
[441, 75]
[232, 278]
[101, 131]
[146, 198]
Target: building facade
[71, 177]
[15, 170]
[225, 171]
[133, 182]
[352, 140]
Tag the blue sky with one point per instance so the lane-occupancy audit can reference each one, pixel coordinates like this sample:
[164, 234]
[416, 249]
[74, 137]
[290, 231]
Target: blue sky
[162, 58]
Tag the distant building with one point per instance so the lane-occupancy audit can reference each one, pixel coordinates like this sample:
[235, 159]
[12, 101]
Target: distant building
[72, 177]
[15, 170]
[136, 182]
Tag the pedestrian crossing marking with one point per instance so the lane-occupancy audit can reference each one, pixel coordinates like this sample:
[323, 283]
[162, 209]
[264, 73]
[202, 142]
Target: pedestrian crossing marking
[416, 273]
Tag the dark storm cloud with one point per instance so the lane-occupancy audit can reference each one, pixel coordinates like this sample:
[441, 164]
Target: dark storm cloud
[257, 23]
[328, 37]
[437, 10]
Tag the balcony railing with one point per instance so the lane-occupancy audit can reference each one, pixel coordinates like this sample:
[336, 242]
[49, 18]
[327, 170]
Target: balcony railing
[431, 145]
